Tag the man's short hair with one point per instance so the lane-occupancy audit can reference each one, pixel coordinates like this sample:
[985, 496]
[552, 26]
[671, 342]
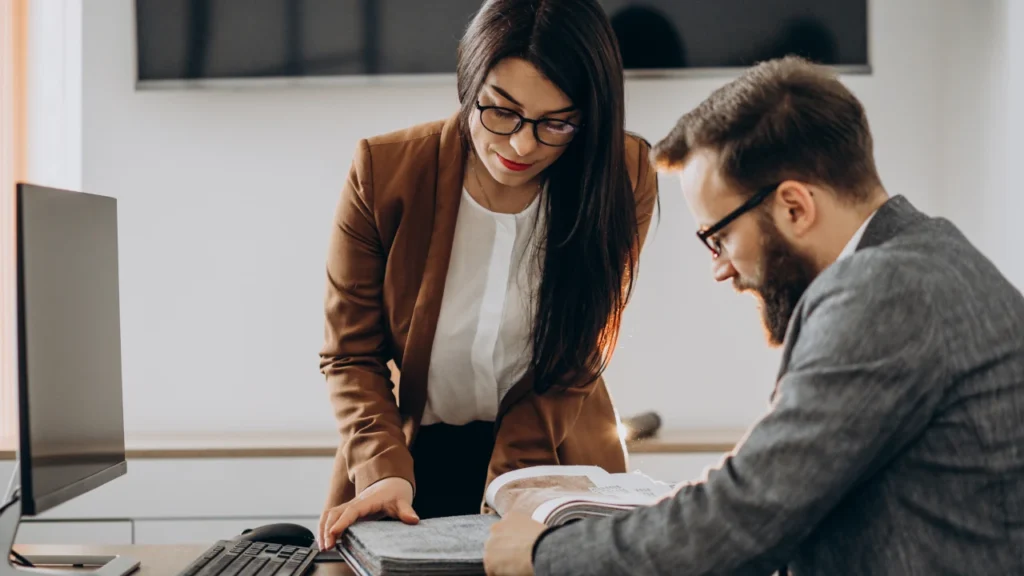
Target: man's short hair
[782, 119]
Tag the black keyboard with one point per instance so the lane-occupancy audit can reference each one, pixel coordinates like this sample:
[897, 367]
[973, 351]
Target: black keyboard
[244, 558]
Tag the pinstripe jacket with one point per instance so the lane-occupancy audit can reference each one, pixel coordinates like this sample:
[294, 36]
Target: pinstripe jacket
[894, 444]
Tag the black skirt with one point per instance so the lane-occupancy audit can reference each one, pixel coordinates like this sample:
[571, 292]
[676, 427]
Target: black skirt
[450, 464]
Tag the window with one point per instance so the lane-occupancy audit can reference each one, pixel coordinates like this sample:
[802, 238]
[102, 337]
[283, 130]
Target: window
[12, 161]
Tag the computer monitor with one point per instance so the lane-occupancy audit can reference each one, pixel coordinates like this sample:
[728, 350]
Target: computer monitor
[71, 419]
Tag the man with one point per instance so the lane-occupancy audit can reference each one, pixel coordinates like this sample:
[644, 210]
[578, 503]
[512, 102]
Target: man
[895, 440]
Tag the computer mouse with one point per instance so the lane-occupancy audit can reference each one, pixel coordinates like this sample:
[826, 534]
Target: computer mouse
[283, 533]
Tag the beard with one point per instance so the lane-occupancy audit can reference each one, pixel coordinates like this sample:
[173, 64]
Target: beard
[785, 276]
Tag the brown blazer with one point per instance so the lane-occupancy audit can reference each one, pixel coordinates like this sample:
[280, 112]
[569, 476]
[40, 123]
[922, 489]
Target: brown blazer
[386, 267]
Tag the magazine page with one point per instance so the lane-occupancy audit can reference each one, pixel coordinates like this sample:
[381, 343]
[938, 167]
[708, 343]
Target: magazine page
[549, 493]
[619, 492]
[507, 492]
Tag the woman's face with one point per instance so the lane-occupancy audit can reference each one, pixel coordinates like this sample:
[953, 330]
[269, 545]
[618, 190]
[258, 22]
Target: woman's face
[517, 159]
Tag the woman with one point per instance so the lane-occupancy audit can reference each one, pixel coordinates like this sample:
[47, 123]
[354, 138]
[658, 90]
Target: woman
[490, 257]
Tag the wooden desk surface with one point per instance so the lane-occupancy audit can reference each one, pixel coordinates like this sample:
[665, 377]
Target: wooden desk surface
[157, 560]
[325, 444]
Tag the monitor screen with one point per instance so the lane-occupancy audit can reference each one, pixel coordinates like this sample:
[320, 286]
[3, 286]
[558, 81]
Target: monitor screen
[233, 39]
[71, 413]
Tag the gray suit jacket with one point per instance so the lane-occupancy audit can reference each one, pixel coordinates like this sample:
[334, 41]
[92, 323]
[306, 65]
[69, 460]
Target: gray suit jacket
[894, 444]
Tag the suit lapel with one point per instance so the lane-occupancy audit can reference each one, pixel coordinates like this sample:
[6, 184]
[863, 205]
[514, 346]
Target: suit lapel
[447, 196]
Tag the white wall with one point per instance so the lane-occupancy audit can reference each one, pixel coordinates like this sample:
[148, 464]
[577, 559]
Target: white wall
[226, 198]
[972, 107]
[53, 139]
[982, 118]
[694, 350]
[1013, 192]
[54, 93]
[1006, 205]
[225, 204]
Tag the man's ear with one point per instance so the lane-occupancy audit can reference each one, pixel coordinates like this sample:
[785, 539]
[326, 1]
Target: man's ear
[794, 208]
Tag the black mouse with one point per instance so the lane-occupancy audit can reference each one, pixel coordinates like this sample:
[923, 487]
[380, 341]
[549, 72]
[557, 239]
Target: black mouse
[283, 533]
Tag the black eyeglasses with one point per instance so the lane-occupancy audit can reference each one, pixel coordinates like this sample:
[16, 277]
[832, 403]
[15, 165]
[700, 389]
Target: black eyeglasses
[706, 234]
[505, 122]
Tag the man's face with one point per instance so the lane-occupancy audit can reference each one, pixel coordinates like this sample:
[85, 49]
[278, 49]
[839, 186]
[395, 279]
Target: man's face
[751, 250]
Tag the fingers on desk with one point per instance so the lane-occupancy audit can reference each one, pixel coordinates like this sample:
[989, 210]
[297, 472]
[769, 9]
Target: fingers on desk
[340, 518]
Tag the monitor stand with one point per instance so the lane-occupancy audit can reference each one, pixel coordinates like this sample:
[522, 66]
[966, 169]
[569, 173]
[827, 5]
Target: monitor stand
[10, 517]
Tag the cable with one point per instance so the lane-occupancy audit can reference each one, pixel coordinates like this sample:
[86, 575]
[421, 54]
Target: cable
[17, 558]
[21, 560]
[9, 503]
[10, 484]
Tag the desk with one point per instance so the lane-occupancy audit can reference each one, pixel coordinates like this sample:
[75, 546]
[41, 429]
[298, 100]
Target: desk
[156, 560]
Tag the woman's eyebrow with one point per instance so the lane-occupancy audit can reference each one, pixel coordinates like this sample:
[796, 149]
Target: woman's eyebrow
[509, 97]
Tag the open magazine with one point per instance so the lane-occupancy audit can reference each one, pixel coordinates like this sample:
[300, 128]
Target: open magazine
[455, 545]
[555, 495]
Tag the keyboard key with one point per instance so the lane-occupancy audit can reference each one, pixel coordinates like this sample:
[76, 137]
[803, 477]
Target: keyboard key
[289, 568]
[216, 567]
[197, 565]
[271, 567]
[254, 566]
[236, 566]
[244, 558]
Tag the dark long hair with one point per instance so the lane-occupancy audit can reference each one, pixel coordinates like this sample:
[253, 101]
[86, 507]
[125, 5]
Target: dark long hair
[590, 251]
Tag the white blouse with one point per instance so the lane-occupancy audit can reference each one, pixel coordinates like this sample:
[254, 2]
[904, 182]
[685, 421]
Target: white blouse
[483, 340]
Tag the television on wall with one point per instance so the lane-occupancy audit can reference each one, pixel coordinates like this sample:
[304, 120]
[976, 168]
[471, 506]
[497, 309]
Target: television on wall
[213, 41]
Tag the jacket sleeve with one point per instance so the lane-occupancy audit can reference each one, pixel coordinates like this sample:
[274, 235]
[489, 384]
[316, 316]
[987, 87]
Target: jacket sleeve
[533, 428]
[355, 352]
[861, 383]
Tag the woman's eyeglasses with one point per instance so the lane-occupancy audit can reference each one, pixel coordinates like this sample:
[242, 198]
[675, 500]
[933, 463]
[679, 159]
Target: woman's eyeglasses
[707, 235]
[506, 122]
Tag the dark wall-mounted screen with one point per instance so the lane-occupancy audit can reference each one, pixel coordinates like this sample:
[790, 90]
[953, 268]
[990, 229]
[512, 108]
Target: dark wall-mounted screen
[218, 39]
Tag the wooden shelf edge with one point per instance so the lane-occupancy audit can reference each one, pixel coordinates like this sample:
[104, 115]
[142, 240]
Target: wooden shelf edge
[316, 445]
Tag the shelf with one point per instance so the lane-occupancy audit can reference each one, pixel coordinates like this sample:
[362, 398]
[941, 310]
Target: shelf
[320, 444]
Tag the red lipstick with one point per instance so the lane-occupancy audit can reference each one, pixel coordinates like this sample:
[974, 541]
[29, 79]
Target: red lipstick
[516, 166]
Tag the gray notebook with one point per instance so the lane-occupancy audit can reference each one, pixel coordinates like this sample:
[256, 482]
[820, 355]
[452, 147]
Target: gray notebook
[453, 545]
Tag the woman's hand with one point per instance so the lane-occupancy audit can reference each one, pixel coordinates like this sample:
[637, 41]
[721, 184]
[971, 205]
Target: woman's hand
[390, 497]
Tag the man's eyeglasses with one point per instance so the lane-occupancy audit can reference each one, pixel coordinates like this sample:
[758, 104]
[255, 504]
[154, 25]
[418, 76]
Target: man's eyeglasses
[506, 122]
[707, 235]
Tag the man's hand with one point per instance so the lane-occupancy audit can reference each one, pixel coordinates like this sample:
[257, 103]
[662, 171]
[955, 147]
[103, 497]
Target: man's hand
[390, 497]
[509, 550]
